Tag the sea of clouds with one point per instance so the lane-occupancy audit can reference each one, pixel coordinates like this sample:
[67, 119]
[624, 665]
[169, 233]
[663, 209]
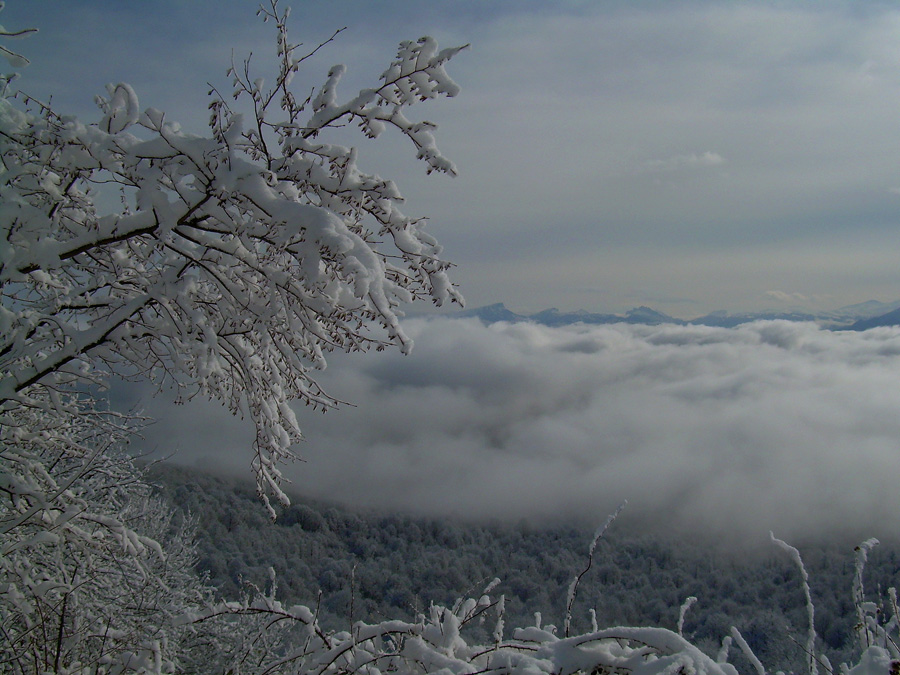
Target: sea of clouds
[730, 432]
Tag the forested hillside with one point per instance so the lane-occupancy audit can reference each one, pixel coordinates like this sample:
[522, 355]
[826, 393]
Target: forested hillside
[370, 566]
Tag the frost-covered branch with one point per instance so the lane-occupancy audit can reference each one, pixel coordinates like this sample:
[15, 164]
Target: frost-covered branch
[236, 262]
[435, 644]
[812, 661]
[573, 587]
[91, 564]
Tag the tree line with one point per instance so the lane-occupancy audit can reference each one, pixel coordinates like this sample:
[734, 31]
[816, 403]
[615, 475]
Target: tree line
[358, 565]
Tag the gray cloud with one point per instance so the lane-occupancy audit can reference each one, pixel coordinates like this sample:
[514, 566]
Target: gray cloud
[730, 432]
[563, 110]
[788, 96]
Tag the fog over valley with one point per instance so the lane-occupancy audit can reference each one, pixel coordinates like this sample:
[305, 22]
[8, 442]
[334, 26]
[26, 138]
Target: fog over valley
[731, 432]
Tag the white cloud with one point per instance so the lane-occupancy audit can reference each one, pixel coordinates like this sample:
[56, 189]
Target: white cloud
[777, 426]
[734, 432]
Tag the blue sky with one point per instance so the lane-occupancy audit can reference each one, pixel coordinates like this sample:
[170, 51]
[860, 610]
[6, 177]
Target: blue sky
[690, 156]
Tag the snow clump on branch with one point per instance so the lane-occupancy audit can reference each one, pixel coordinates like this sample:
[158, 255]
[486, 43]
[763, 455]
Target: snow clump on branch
[235, 261]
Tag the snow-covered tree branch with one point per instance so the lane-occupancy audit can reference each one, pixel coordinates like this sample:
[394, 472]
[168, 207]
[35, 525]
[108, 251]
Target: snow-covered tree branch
[92, 567]
[226, 265]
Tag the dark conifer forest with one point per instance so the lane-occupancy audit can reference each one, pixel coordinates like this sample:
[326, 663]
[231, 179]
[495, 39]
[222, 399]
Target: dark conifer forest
[367, 566]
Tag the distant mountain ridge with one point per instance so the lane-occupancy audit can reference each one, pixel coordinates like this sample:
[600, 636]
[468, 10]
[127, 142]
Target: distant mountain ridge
[553, 317]
[891, 318]
[859, 316]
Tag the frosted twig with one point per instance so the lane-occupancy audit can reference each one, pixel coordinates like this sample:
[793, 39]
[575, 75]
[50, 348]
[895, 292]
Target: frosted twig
[573, 587]
[810, 609]
[862, 556]
[685, 606]
[742, 643]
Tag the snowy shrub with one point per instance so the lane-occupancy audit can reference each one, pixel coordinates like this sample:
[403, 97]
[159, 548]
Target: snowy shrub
[92, 567]
[289, 640]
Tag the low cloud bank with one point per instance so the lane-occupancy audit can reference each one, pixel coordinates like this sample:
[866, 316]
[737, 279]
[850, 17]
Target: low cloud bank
[730, 432]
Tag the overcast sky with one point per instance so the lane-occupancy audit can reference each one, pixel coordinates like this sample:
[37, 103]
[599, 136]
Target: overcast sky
[690, 156]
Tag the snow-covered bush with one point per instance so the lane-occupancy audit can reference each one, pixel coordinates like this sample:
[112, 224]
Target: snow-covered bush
[288, 640]
[92, 567]
[281, 639]
[877, 628]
